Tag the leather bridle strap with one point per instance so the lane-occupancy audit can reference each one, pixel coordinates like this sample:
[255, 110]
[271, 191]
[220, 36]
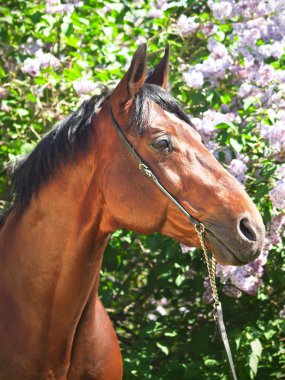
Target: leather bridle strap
[144, 168]
[200, 229]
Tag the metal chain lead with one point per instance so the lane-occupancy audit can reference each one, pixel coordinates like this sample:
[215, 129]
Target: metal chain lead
[218, 312]
[211, 265]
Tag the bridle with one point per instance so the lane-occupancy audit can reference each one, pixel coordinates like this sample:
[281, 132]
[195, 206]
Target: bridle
[199, 228]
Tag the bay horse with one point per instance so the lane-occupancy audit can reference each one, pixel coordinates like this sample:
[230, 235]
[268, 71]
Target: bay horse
[73, 190]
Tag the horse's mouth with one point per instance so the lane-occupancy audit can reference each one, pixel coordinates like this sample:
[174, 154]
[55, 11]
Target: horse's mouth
[224, 254]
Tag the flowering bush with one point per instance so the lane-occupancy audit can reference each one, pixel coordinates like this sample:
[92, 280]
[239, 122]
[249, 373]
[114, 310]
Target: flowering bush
[228, 70]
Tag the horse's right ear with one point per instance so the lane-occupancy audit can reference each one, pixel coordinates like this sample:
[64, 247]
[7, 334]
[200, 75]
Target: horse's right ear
[122, 97]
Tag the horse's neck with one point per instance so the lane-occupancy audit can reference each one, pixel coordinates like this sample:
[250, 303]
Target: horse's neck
[51, 258]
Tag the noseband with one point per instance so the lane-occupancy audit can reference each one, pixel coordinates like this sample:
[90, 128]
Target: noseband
[200, 229]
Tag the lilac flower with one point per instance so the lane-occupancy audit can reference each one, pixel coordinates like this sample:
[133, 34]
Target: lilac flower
[238, 169]
[246, 278]
[250, 37]
[275, 50]
[84, 86]
[277, 195]
[47, 60]
[157, 9]
[206, 124]
[194, 79]
[275, 231]
[31, 66]
[60, 8]
[214, 68]
[155, 13]
[246, 90]
[248, 284]
[221, 10]
[208, 295]
[32, 46]
[209, 28]
[55, 6]
[275, 134]
[217, 49]
[186, 25]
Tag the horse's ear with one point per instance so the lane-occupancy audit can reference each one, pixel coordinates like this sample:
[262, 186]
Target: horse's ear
[159, 75]
[122, 97]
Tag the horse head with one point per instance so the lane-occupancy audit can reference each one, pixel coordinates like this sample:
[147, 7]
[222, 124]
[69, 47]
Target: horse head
[162, 134]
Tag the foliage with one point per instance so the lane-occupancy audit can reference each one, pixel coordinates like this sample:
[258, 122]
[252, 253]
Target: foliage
[227, 69]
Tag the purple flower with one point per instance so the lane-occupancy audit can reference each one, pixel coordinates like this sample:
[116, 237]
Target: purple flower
[155, 13]
[246, 279]
[209, 28]
[31, 66]
[157, 9]
[206, 124]
[238, 169]
[275, 134]
[275, 50]
[217, 49]
[55, 6]
[31, 46]
[84, 86]
[246, 90]
[47, 60]
[186, 25]
[277, 195]
[221, 10]
[208, 295]
[194, 79]
[214, 68]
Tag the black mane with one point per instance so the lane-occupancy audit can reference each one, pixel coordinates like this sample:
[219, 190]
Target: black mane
[72, 135]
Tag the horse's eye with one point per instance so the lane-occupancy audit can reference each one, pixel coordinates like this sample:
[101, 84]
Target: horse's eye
[162, 145]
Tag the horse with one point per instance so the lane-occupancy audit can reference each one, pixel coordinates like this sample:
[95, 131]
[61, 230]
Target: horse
[79, 185]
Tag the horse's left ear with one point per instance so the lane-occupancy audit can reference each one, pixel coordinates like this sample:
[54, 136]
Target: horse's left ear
[159, 75]
[122, 97]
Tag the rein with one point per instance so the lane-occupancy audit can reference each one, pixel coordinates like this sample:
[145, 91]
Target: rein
[199, 228]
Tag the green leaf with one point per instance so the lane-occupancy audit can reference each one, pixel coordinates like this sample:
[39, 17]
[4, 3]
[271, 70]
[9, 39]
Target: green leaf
[22, 112]
[164, 349]
[236, 146]
[256, 347]
[179, 279]
[253, 364]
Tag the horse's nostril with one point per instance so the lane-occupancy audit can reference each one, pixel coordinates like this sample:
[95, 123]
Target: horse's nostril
[247, 230]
